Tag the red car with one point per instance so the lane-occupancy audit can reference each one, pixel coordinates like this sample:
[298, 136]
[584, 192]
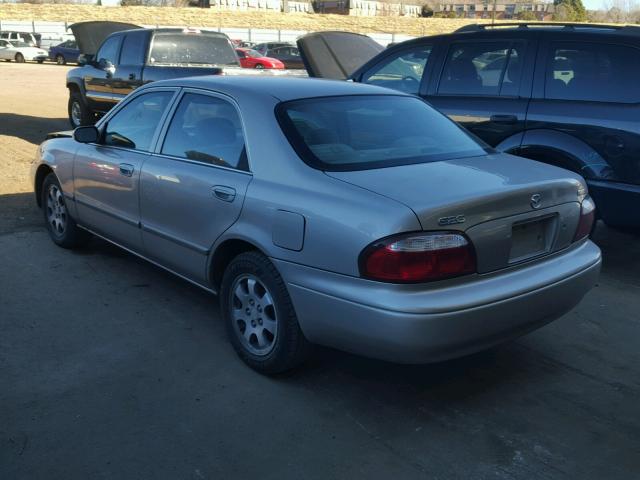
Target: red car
[252, 59]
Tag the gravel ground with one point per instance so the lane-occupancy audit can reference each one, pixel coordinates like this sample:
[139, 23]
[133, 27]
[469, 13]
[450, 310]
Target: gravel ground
[113, 369]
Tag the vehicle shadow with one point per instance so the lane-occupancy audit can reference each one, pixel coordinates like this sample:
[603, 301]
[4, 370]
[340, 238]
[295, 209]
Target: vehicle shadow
[19, 212]
[32, 129]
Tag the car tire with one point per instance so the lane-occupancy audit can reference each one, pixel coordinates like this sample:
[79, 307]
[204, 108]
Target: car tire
[260, 319]
[19, 58]
[40, 61]
[62, 228]
[259, 66]
[60, 60]
[79, 113]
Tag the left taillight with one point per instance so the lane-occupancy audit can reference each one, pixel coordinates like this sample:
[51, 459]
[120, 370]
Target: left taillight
[587, 217]
[418, 257]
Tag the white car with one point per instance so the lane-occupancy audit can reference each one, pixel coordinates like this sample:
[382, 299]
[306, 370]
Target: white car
[21, 52]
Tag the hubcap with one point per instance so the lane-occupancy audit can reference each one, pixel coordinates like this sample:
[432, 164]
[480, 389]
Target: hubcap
[56, 210]
[76, 113]
[254, 314]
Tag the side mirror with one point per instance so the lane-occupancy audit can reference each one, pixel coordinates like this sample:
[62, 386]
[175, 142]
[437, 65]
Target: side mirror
[84, 59]
[86, 134]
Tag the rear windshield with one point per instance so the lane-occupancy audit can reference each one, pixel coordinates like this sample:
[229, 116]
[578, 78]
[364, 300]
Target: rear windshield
[372, 131]
[191, 48]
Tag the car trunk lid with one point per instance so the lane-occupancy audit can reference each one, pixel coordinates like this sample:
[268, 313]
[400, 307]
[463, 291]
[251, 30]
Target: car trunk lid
[512, 209]
[336, 55]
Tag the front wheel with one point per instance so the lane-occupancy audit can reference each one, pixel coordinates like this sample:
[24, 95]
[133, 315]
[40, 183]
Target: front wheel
[19, 58]
[79, 113]
[259, 66]
[260, 318]
[60, 60]
[63, 229]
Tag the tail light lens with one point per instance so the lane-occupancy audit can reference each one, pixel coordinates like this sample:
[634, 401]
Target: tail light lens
[418, 257]
[587, 217]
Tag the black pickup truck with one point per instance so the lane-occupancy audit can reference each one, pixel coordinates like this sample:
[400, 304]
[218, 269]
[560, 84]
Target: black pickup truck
[117, 58]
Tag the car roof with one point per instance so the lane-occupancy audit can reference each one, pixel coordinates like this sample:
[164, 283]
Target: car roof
[281, 88]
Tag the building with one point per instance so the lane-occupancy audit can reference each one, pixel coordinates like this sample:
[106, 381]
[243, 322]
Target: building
[369, 8]
[504, 9]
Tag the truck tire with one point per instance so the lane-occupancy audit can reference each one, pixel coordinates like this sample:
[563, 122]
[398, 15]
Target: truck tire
[79, 112]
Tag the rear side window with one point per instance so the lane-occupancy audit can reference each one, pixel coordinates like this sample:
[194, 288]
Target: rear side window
[191, 48]
[371, 131]
[133, 48]
[593, 72]
[135, 124]
[402, 72]
[206, 129]
[483, 68]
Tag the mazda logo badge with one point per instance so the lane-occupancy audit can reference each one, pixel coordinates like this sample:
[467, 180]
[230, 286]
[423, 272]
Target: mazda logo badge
[536, 200]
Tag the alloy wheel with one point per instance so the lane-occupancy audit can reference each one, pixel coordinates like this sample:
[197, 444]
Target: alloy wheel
[254, 314]
[76, 113]
[56, 211]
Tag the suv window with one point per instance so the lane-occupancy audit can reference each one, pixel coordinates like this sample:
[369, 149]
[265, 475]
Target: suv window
[109, 50]
[206, 129]
[133, 48]
[402, 72]
[483, 68]
[593, 72]
[134, 126]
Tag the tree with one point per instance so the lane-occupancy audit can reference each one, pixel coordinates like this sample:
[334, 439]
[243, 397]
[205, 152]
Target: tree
[570, 10]
[527, 15]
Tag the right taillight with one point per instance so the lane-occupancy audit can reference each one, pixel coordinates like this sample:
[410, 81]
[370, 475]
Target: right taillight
[587, 217]
[418, 257]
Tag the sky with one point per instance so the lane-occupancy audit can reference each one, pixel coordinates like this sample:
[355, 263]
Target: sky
[593, 4]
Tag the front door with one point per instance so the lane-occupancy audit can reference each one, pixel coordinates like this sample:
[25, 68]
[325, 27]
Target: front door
[106, 175]
[485, 86]
[192, 190]
[127, 75]
[97, 75]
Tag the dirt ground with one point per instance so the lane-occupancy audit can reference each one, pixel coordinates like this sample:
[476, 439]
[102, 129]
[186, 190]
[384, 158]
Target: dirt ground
[113, 369]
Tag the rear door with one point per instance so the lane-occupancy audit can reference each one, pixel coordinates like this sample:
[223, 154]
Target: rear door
[5, 53]
[127, 75]
[485, 85]
[193, 188]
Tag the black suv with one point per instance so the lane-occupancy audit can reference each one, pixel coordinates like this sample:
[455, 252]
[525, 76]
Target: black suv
[565, 94]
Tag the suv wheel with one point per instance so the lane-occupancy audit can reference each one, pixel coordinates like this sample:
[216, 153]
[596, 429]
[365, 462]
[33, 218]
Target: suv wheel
[260, 319]
[63, 229]
[79, 113]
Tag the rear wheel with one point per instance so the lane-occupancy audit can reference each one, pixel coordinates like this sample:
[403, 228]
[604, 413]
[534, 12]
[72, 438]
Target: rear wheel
[79, 113]
[40, 61]
[259, 66]
[19, 58]
[260, 319]
[60, 60]
[63, 229]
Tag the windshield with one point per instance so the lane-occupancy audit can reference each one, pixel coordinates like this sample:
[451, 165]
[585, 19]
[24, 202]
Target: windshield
[253, 53]
[179, 48]
[372, 131]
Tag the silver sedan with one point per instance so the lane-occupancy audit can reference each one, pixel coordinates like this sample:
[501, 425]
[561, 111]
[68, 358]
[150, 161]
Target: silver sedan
[326, 213]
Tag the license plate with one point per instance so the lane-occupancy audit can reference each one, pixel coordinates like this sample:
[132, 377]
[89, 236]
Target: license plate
[528, 240]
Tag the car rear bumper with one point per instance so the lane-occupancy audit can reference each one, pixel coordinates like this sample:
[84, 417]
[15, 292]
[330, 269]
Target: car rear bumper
[614, 202]
[417, 324]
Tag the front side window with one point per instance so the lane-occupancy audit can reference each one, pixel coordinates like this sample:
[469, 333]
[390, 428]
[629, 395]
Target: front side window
[135, 124]
[206, 129]
[593, 72]
[196, 48]
[372, 131]
[483, 68]
[133, 48]
[109, 50]
[403, 72]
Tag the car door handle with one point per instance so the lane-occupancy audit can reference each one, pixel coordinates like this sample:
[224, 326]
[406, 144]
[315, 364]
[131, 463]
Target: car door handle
[504, 119]
[126, 169]
[226, 194]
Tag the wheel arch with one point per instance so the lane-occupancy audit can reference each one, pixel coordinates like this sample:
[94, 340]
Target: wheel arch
[565, 151]
[41, 173]
[222, 255]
